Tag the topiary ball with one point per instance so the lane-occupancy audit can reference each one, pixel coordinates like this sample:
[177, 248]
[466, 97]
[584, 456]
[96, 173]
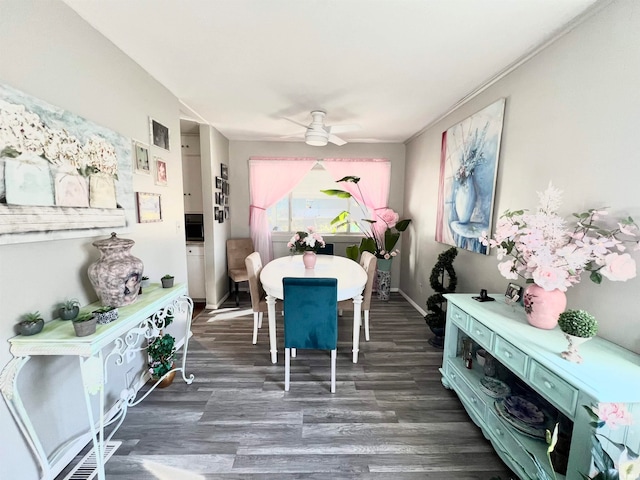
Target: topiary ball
[578, 323]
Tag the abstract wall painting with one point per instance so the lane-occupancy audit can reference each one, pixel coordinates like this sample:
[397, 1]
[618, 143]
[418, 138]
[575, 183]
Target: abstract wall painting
[468, 169]
[61, 175]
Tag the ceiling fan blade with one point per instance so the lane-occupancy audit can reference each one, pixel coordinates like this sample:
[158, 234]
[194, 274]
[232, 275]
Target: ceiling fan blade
[336, 140]
[344, 128]
[296, 122]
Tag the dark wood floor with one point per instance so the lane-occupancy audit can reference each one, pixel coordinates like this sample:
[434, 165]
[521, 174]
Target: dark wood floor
[390, 417]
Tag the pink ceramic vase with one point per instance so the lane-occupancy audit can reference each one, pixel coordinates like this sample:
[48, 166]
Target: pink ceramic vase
[309, 260]
[543, 307]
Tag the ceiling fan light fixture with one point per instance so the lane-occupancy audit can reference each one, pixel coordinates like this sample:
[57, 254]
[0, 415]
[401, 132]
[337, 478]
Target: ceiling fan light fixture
[315, 139]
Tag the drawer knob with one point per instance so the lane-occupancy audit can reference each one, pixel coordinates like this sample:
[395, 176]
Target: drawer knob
[474, 400]
[507, 354]
[498, 432]
[478, 333]
[548, 384]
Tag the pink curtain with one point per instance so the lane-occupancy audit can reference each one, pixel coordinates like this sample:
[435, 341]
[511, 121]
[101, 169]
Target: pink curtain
[270, 179]
[375, 177]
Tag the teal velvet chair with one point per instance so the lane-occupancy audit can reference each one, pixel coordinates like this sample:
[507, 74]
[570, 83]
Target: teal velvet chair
[310, 319]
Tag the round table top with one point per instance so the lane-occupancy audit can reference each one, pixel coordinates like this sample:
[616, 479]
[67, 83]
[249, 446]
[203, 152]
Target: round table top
[351, 276]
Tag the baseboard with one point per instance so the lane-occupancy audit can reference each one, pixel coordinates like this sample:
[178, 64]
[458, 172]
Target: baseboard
[216, 306]
[413, 304]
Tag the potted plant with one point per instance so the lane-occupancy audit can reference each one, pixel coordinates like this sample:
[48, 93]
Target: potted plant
[105, 315]
[161, 356]
[167, 281]
[31, 324]
[69, 309]
[436, 317]
[84, 324]
[578, 327]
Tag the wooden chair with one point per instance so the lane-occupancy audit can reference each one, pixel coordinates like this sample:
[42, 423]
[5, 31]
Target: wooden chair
[237, 250]
[310, 319]
[258, 302]
[368, 261]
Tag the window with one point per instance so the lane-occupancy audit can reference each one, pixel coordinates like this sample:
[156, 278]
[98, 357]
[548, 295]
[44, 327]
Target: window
[306, 206]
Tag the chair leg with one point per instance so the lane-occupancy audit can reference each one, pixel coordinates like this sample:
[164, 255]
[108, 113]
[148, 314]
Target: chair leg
[366, 325]
[237, 295]
[333, 371]
[294, 352]
[256, 316]
[287, 368]
[260, 315]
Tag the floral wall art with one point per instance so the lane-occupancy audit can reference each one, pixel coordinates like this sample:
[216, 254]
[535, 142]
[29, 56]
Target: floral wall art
[61, 176]
[468, 167]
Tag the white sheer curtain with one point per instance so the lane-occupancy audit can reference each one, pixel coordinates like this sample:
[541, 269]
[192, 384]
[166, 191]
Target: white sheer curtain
[270, 179]
[375, 177]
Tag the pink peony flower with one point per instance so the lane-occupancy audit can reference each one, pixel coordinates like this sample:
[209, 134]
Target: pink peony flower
[551, 278]
[506, 269]
[618, 268]
[613, 414]
[387, 218]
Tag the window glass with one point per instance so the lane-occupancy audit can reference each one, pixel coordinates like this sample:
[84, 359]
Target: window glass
[307, 206]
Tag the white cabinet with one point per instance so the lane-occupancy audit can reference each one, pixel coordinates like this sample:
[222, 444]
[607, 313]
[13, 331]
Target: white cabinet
[191, 174]
[195, 271]
[528, 360]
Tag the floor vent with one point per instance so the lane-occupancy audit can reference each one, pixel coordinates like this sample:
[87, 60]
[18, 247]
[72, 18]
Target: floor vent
[86, 469]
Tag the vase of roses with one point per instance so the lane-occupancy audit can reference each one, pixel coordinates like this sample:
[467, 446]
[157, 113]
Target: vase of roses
[380, 238]
[308, 244]
[551, 254]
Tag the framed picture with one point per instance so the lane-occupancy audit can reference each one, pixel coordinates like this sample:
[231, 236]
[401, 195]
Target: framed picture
[159, 134]
[141, 163]
[225, 188]
[161, 171]
[226, 201]
[513, 293]
[224, 171]
[218, 182]
[219, 196]
[226, 213]
[220, 215]
[468, 168]
[149, 209]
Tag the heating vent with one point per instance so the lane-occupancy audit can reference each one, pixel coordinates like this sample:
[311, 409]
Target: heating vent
[86, 469]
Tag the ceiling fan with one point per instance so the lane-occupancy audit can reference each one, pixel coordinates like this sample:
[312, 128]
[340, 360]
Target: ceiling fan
[318, 134]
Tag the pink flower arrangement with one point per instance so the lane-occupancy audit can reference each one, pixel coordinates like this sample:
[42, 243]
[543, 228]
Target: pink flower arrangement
[543, 250]
[309, 241]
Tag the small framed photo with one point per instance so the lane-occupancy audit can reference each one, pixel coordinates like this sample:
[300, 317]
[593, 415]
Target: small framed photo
[149, 208]
[161, 171]
[141, 163]
[513, 293]
[159, 134]
[224, 171]
[220, 215]
[225, 187]
[218, 182]
[219, 198]
[226, 201]
[226, 213]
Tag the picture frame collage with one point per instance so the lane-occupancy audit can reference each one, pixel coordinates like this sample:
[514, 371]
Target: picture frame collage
[146, 162]
[221, 211]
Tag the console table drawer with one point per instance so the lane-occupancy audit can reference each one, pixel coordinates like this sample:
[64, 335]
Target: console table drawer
[512, 357]
[481, 334]
[553, 387]
[458, 316]
[506, 441]
[467, 393]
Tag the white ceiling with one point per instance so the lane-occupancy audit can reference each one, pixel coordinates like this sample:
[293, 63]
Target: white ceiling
[391, 66]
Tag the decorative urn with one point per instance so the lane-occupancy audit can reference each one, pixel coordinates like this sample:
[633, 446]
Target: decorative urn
[117, 275]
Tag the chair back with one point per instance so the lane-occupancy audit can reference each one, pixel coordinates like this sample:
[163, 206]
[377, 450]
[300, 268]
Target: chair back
[237, 250]
[254, 266]
[326, 250]
[368, 261]
[310, 313]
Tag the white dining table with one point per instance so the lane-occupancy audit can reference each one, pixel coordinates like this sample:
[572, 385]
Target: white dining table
[351, 282]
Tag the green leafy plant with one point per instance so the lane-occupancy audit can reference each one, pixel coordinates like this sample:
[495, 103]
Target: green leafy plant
[70, 304]
[167, 276]
[444, 266]
[31, 317]
[161, 353]
[104, 309]
[145, 277]
[383, 233]
[83, 317]
[578, 323]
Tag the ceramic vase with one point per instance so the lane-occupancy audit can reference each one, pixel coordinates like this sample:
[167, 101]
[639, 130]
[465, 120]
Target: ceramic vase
[168, 380]
[543, 307]
[465, 200]
[571, 353]
[383, 277]
[116, 275]
[309, 260]
[83, 329]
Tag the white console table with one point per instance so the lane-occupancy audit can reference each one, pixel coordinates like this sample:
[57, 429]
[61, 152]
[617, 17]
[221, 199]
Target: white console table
[530, 357]
[143, 320]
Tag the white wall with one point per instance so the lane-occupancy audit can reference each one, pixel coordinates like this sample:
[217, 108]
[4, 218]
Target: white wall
[572, 116]
[240, 152]
[50, 53]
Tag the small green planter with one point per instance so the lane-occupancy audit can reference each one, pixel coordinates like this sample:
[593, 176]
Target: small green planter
[167, 281]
